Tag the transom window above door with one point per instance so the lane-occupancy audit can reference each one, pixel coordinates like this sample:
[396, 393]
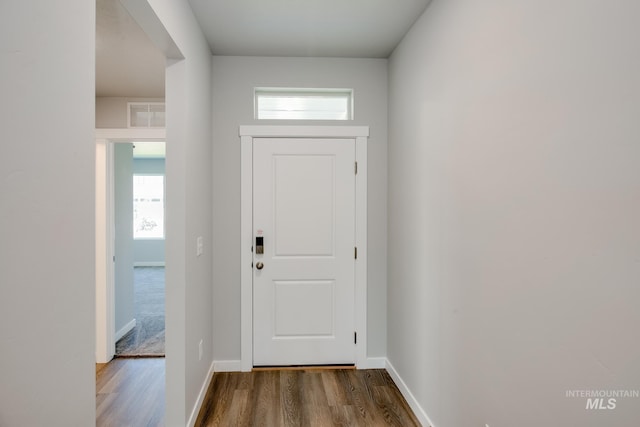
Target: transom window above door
[277, 103]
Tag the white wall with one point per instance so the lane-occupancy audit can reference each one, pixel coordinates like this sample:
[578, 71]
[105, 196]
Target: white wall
[148, 252]
[233, 81]
[188, 190]
[47, 261]
[514, 198]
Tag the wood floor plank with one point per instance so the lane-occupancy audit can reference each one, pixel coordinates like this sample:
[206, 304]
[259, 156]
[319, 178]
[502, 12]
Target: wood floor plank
[130, 392]
[266, 399]
[315, 407]
[212, 412]
[391, 408]
[360, 398]
[343, 415]
[290, 398]
[335, 394]
[311, 397]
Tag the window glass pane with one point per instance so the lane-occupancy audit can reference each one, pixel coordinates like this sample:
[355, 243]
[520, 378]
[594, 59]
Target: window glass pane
[157, 115]
[146, 114]
[303, 104]
[139, 115]
[148, 206]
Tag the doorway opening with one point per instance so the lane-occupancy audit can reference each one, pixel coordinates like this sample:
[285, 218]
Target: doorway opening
[130, 280]
[145, 263]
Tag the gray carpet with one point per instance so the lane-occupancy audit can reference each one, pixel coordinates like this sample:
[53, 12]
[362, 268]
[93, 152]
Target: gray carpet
[147, 338]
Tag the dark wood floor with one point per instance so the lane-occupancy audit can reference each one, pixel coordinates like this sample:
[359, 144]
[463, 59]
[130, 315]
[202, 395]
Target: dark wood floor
[130, 393]
[313, 397]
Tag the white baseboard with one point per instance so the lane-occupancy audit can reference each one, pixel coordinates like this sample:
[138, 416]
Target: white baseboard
[149, 264]
[227, 365]
[375, 363]
[201, 396]
[126, 328]
[411, 400]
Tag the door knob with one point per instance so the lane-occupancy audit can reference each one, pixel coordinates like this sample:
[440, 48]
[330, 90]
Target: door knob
[259, 265]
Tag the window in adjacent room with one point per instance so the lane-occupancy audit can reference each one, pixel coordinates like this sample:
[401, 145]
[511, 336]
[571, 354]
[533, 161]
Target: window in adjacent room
[148, 206]
[303, 104]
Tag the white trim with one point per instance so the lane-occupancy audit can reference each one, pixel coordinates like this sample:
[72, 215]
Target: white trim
[227, 365]
[246, 237]
[133, 134]
[105, 346]
[105, 232]
[304, 131]
[247, 133]
[203, 393]
[375, 363]
[149, 264]
[408, 396]
[126, 328]
[361, 243]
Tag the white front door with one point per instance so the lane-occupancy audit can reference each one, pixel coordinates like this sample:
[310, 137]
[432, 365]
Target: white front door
[303, 283]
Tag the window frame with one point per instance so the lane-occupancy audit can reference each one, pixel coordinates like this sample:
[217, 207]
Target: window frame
[149, 106]
[320, 93]
[164, 191]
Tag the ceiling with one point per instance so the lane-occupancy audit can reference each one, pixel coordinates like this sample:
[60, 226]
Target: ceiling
[129, 65]
[333, 28]
[127, 62]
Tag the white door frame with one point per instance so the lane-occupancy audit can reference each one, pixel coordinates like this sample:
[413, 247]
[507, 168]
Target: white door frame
[247, 133]
[105, 288]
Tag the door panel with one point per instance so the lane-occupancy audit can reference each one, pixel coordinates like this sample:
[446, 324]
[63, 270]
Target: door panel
[304, 215]
[312, 300]
[304, 208]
